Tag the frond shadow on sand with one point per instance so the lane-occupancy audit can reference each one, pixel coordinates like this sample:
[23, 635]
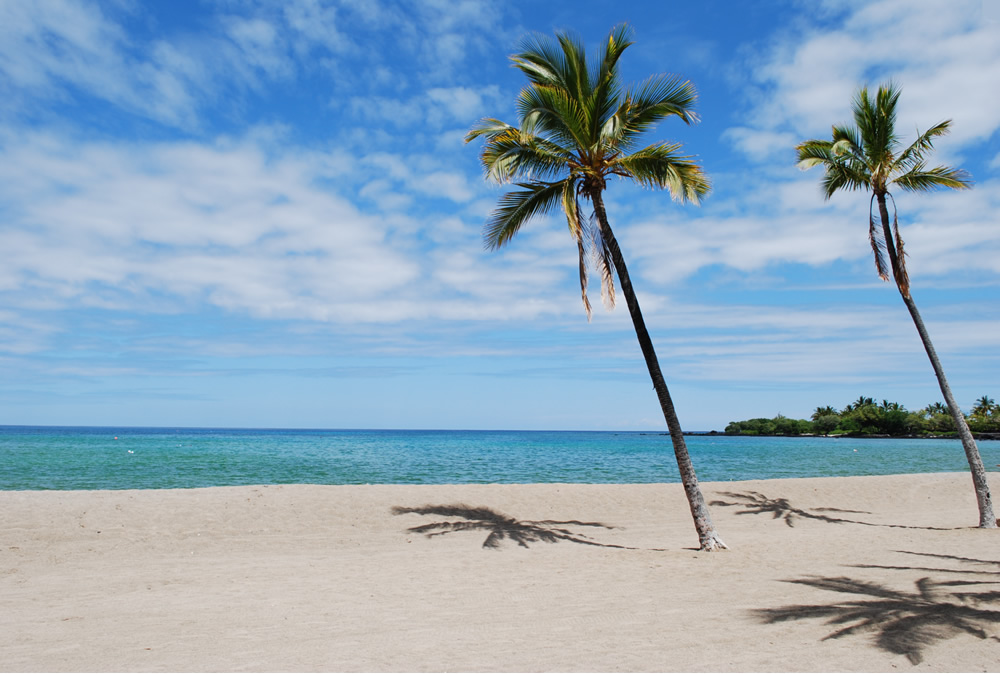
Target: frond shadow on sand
[501, 527]
[902, 622]
[755, 503]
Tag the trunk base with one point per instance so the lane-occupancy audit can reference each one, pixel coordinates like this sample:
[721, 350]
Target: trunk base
[712, 543]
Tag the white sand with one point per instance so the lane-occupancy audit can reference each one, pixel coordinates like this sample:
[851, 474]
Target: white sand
[326, 578]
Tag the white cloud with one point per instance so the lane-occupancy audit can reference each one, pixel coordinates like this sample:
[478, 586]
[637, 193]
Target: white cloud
[243, 227]
[760, 145]
[946, 61]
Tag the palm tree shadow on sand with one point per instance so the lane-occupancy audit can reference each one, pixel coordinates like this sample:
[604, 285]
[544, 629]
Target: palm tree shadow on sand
[939, 569]
[755, 503]
[903, 622]
[501, 527]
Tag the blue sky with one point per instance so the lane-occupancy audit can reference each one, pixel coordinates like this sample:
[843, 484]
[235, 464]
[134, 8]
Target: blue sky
[263, 214]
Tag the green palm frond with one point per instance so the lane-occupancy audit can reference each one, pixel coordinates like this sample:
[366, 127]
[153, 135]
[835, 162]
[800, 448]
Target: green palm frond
[848, 145]
[876, 122]
[914, 154]
[606, 91]
[660, 165]
[814, 153]
[654, 100]
[843, 176]
[618, 41]
[838, 158]
[555, 114]
[542, 61]
[920, 179]
[517, 207]
[513, 154]
[576, 76]
[490, 128]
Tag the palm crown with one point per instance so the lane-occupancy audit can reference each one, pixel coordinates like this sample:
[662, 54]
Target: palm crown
[867, 157]
[577, 126]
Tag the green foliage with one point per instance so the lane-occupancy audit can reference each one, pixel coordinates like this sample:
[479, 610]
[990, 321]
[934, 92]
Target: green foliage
[866, 417]
[985, 416]
[826, 424]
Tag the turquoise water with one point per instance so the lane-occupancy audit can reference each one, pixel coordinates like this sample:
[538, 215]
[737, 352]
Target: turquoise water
[159, 458]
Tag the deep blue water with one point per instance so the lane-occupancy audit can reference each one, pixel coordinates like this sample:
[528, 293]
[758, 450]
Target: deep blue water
[158, 458]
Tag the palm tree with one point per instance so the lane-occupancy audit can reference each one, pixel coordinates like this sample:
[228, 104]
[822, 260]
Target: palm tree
[868, 157]
[861, 403]
[984, 407]
[577, 127]
[824, 412]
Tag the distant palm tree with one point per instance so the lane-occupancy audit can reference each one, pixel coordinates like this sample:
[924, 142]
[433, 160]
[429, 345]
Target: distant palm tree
[984, 407]
[824, 412]
[578, 126]
[858, 404]
[936, 408]
[868, 157]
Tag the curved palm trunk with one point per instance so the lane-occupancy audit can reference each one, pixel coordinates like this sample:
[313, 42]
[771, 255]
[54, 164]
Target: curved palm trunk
[987, 520]
[709, 540]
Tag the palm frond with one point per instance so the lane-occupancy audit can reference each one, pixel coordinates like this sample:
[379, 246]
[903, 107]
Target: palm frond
[606, 90]
[571, 207]
[554, 114]
[841, 175]
[542, 61]
[514, 154]
[814, 152]
[920, 179]
[576, 78]
[517, 207]
[604, 264]
[489, 127]
[657, 98]
[847, 144]
[899, 271]
[914, 154]
[661, 165]
[876, 122]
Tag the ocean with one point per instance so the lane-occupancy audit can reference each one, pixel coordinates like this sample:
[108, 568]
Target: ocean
[65, 458]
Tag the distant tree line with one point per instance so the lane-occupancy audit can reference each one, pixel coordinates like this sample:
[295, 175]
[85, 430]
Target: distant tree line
[866, 417]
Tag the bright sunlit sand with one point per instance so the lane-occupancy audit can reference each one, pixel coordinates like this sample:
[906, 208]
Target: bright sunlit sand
[853, 574]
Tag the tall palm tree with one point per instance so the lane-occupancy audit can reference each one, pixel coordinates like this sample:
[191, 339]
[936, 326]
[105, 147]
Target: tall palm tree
[868, 157]
[578, 126]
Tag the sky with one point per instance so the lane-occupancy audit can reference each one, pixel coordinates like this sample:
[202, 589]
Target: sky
[263, 214]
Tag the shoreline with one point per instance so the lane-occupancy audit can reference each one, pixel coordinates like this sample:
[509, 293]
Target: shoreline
[319, 577]
[853, 436]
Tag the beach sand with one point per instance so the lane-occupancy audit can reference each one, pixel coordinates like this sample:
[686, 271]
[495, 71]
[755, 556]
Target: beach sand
[304, 577]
